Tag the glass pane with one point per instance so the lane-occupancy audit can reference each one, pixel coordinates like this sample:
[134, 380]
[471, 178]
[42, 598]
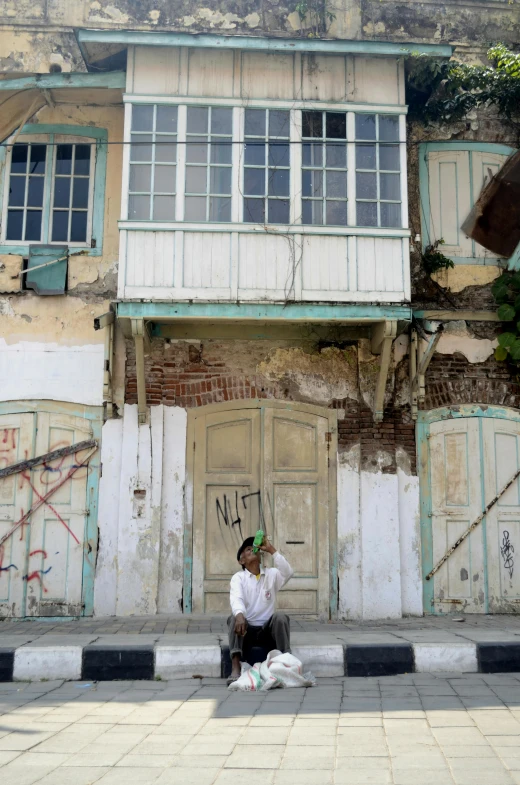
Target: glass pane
[35, 195]
[278, 154]
[337, 184]
[390, 214]
[254, 211]
[140, 178]
[195, 208]
[38, 155]
[165, 149]
[197, 120]
[366, 185]
[62, 192]
[279, 123]
[312, 154]
[14, 225]
[220, 180]
[78, 227]
[221, 121]
[164, 179]
[312, 124]
[254, 182]
[219, 208]
[196, 179]
[166, 119]
[389, 186]
[17, 190]
[197, 153]
[82, 159]
[254, 154]
[80, 192]
[366, 214]
[389, 157]
[278, 182]
[221, 153]
[389, 128]
[312, 212]
[19, 159]
[60, 225]
[33, 225]
[336, 125]
[63, 159]
[365, 126]
[255, 122]
[366, 156]
[312, 183]
[336, 213]
[164, 208]
[142, 118]
[138, 208]
[336, 155]
[278, 211]
[141, 149]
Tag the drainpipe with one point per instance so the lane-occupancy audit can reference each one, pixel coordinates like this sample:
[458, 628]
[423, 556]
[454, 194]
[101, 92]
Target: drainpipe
[106, 322]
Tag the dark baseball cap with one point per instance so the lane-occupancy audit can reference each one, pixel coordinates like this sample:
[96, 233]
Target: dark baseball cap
[247, 542]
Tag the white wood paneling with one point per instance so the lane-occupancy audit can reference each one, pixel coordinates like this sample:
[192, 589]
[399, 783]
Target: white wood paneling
[210, 72]
[324, 78]
[267, 263]
[325, 264]
[376, 79]
[207, 260]
[156, 70]
[266, 75]
[450, 200]
[150, 258]
[379, 264]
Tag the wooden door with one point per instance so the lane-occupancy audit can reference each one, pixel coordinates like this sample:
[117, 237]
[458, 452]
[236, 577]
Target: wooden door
[57, 530]
[16, 444]
[484, 166]
[456, 491]
[450, 200]
[265, 467]
[501, 443]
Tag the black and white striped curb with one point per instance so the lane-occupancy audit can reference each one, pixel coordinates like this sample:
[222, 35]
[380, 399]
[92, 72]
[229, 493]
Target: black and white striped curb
[120, 661]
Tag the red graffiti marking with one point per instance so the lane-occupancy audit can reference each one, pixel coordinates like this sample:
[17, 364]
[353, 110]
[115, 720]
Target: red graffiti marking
[35, 576]
[51, 508]
[33, 553]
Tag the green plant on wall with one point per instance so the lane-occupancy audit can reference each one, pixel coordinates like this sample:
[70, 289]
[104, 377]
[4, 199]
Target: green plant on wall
[506, 291]
[315, 15]
[446, 90]
[434, 260]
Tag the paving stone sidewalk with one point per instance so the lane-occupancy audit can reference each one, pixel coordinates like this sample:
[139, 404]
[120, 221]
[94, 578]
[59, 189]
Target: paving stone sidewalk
[420, 729]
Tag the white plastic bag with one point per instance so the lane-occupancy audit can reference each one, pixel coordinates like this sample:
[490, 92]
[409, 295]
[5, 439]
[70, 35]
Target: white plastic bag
[278, 670]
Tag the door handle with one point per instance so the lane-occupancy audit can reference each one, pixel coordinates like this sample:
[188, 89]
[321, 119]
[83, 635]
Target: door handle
[295, 542]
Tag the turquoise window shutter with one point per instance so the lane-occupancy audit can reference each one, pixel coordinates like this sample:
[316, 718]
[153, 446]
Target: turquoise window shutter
[52, 278]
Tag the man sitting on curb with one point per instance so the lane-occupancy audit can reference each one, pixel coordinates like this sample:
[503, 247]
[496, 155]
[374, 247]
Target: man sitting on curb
[253, 599]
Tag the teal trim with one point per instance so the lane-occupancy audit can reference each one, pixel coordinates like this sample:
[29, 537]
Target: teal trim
[91, 413]
[258, 43]
[484, 521]
[91, 522]
[487, 261]
[112, 79]
[514, 261]
[100, 135]
[425, 506]
[272, 311]
[188, 573]
[468, 410]
[424, 191]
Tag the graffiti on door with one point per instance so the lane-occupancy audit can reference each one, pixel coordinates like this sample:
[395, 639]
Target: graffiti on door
[228, 509]
[44, 476]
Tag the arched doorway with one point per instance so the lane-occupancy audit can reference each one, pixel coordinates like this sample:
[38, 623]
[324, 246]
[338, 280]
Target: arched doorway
[261, 464]
[467, 454]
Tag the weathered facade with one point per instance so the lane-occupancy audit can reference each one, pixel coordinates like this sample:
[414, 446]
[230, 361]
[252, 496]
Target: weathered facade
[236, 316]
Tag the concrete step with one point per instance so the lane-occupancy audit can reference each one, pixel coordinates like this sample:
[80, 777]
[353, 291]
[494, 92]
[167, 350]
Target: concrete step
[91, 658]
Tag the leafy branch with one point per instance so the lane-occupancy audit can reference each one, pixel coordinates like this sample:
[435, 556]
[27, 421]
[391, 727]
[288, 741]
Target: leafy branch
[315, 14]
[433, 260]
[506, 291]
[446, 90]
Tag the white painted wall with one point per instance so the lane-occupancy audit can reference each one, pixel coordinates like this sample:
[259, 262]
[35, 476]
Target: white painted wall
[51, 371]
[140, 562]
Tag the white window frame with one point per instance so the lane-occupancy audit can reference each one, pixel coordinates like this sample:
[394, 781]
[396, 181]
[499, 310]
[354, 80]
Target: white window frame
[52, 140]
[237, 196]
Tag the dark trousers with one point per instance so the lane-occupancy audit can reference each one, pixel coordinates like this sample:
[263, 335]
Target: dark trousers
[275, 634]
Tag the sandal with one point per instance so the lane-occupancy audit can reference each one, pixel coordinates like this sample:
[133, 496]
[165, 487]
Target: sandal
[231, 679]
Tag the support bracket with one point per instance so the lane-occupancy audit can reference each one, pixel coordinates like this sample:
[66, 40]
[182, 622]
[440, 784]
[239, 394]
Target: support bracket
[383, 335]
[138, 332]
[418, 387]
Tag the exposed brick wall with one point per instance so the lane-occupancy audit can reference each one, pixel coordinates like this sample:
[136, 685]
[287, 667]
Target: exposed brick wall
[192, 375]
[453, 380]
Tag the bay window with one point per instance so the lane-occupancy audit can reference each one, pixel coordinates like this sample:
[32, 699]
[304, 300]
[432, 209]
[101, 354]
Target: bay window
[257, 165]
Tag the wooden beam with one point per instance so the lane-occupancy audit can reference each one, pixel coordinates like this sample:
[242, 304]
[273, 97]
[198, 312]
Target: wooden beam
[22, 466]
[383, 340]
[466, 316]
[138, 331]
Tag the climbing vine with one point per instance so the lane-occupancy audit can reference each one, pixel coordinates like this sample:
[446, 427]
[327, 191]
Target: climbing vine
[315, 16]
[446, 90]
[506, 291]
[434, 260]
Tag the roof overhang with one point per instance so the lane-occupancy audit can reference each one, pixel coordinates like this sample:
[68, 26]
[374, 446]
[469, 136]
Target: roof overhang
[89, 41]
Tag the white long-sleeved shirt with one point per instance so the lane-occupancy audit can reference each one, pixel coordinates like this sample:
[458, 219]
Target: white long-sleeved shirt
[256, 597]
